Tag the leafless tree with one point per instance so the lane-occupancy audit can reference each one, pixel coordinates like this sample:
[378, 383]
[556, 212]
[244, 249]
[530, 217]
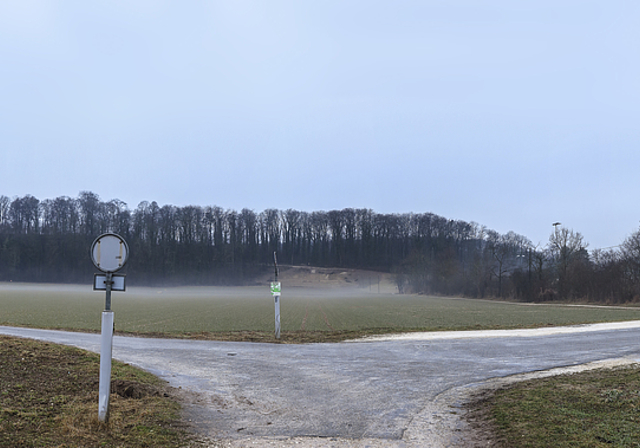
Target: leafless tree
[566, 247]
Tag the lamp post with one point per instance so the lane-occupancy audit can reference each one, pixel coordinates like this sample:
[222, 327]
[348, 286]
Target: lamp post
[556, 242]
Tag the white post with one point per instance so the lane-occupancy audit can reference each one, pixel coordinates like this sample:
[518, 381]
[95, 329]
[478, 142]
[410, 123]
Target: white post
[276, 298]
[106, 343]
[275, 290]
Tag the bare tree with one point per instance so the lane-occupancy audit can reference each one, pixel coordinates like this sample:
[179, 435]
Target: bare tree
[630, 254]
[89, 205]
[5, 204]
[24, 214]
[565, 247]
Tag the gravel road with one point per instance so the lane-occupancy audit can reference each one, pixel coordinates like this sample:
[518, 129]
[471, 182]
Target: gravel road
[402, 391]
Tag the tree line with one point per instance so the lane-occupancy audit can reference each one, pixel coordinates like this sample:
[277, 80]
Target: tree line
[49, 240]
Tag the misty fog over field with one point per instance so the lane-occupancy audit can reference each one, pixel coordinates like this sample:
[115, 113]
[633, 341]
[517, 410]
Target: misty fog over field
[179, 311]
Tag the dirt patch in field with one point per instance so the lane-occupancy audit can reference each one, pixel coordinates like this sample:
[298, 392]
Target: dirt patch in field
[372, 281]
[135, 390]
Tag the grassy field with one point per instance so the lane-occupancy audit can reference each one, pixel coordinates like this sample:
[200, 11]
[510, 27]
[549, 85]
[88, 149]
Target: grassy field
[218, 310]
[596, 408]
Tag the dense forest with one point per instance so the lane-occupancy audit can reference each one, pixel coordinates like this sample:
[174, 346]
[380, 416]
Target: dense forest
[49, 241]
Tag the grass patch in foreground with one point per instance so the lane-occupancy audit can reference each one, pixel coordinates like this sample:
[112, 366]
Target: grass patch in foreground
[599, 408]
[49, 398]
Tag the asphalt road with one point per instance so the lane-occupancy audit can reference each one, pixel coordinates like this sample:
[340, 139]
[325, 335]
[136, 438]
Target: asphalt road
[352, 390]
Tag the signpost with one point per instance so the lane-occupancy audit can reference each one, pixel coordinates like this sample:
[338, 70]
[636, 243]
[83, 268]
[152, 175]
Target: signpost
[109, 253]
[275, 292]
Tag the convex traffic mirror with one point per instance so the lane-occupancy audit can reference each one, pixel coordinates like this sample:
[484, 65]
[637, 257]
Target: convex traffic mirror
[109, 252]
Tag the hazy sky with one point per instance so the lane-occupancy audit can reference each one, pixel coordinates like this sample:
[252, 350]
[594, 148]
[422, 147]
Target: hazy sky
[512, 114]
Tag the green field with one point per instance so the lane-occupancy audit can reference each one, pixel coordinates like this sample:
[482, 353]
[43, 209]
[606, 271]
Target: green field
[229, 309]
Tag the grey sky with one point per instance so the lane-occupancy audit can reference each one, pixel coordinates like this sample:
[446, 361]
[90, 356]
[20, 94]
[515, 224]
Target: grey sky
[510, 114]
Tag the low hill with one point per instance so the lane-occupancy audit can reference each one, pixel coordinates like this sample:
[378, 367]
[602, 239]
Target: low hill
[309, 276]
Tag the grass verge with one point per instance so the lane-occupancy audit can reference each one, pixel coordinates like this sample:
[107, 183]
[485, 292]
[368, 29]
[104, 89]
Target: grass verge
[599, 408]
[297, 336]
[286, 337]
[49, 398]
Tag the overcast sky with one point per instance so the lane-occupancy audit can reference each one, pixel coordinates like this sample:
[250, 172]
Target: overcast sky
[512, 114]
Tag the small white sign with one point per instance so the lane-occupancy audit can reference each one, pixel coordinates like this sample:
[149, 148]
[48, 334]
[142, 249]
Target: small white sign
[100, 282]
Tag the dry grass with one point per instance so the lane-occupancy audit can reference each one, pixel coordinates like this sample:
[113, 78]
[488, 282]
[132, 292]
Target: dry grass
[49, 398]
[598, 408]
